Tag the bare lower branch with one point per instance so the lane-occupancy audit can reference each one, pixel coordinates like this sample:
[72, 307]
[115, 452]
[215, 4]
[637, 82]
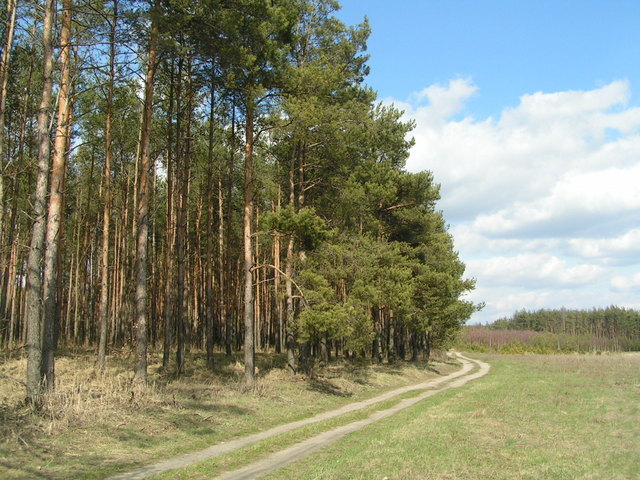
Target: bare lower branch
[266, 265]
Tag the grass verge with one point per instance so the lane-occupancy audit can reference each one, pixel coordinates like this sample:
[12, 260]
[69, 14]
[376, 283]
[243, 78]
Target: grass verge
[532, 417]
[92, 427]
[258, 450]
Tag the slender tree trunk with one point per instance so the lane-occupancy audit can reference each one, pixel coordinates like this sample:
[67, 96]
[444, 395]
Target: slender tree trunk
[33, 307]
[184, 155]
[76, 276]
[324, 347]
[228, 263]
[249, 346]
[291, 339]
[181, 225]
[415, 344]
[56, 193]
[306, 352]
[209, 274]
[143, 209]
[106, 215]
[427, 346]
[222, 286]
[11, 293]
[7, 300]
[61, 285]
[276, 287]
[4, 77]
[257, 318]
[169, 234]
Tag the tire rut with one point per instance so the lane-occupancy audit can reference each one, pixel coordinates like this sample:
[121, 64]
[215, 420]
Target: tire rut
[306, 447]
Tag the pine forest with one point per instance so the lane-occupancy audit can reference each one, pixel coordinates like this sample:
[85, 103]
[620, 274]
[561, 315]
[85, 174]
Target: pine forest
[210, 175]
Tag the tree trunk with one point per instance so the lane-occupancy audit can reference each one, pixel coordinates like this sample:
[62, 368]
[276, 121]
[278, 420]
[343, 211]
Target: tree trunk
[33, 308]
[184, 155]
[209, 273]
[228, 263]
[276, 288]
[249, 346]
[181, 225]
[170, 229]
[428, 339]
[415, 344]
[6, 300]
[4, 77]
[377, 342]
[324, 347]
[106, 216]
[222, 281]
[143, 209]
[291, 339]
[54, 218]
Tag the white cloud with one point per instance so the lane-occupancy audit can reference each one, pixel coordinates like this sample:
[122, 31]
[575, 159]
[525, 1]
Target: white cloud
[486, 164]
[624, 248]
[444, 102]
[554, 107]
[498, 306]
[543, 201]
[532, 270]
[629, 283]
[576, 201]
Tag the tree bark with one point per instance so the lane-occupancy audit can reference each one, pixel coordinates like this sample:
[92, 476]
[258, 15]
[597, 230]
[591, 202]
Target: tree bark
[7, 301]
[377, 341]
[228, 263]
[143, 209]
[33, 307]
[291, 339]
[249, 347]
[106, 215]
[56, 193]
[209, 273]
[4, 77]
[276, 287]
[169, 234]
[181, 225]
[184, 154]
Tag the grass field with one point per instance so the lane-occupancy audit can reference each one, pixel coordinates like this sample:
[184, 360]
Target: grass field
[93, 427]
[533, 417]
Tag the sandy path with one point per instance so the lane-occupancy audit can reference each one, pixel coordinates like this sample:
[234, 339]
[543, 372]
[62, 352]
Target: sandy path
[304, 448]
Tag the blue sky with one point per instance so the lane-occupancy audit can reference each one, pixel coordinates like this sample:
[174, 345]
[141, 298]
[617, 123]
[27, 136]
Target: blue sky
[527, 113]
[507, 47]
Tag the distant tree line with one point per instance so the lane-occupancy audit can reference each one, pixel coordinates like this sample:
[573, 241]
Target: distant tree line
[210, 174]
[604, 329]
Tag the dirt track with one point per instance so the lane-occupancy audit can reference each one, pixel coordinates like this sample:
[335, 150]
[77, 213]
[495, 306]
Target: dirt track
[302, 449]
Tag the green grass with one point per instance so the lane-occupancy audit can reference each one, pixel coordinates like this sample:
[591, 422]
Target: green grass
[532, 417]
[251, 453]
[94, 427]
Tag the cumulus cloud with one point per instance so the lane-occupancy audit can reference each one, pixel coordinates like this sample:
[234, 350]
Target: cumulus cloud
[542, 200]
[485, 164]
[623, 249]
[444, 102]
[626, 283]
[557, 106]
[574, 204]
[532, 270]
